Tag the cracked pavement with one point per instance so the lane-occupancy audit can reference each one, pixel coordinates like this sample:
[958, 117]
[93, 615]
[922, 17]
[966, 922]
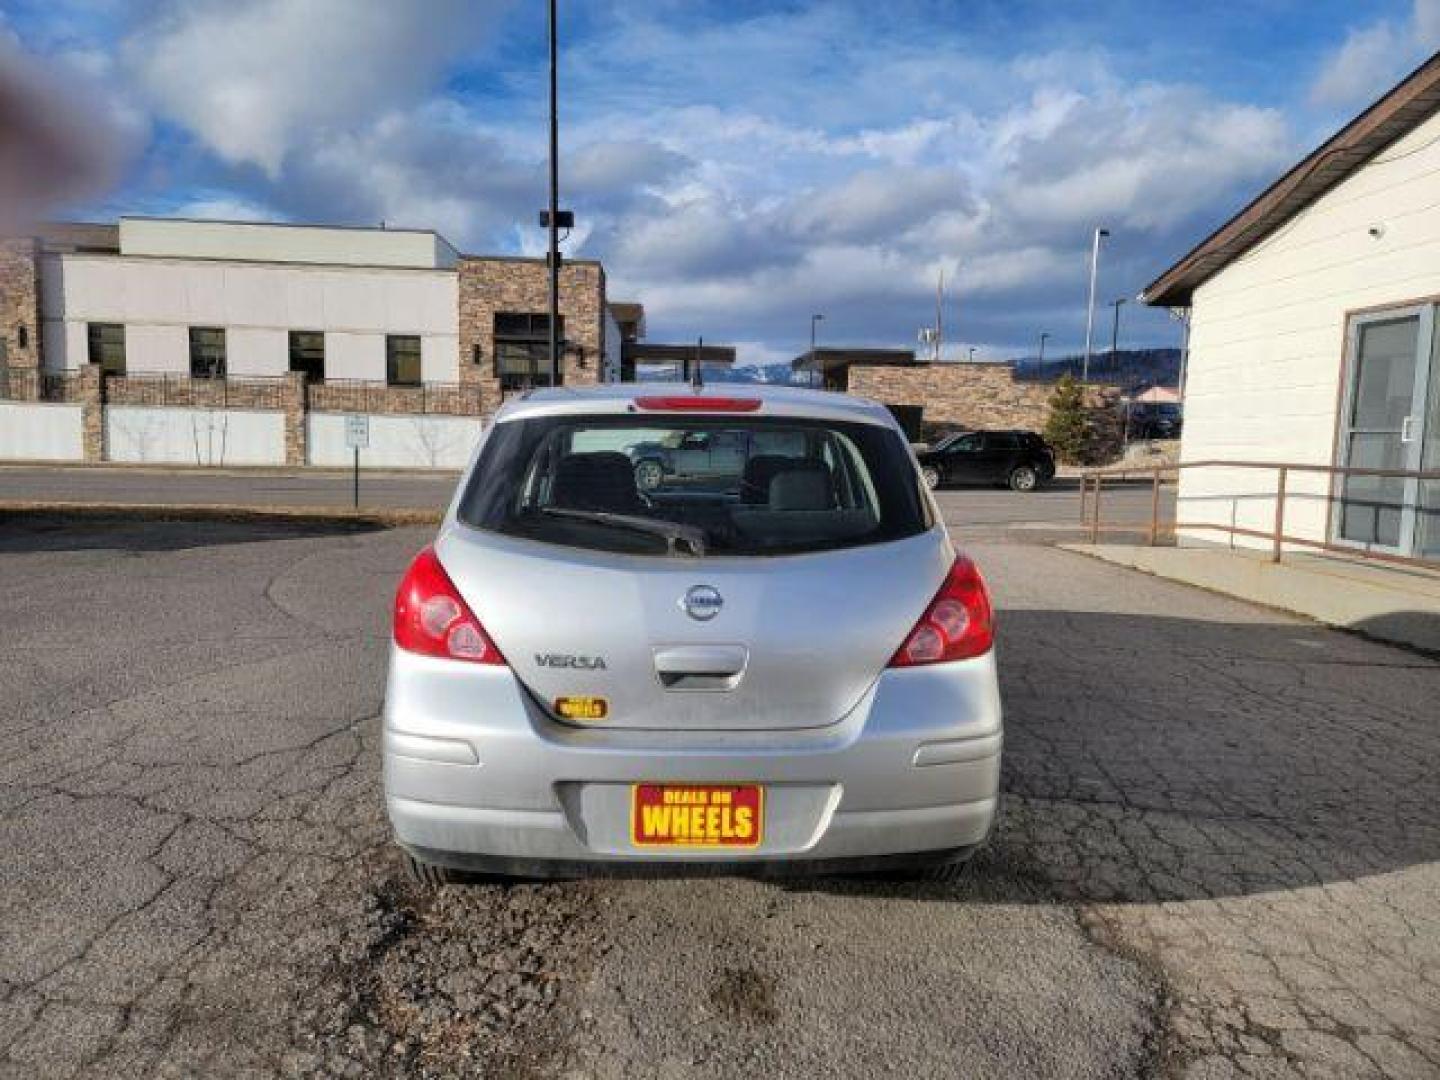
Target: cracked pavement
[1218, 857]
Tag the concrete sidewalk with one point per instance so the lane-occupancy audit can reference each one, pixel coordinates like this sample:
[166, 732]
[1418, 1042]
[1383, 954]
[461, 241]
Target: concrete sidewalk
[1389, 602]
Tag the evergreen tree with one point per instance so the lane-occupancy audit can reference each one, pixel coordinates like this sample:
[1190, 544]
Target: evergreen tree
[1068, 428]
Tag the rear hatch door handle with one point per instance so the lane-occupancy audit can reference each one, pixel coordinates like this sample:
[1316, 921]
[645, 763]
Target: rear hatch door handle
[701, 667]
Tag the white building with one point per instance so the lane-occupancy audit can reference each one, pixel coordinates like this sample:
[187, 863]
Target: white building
[1313, 340]
[195, 297]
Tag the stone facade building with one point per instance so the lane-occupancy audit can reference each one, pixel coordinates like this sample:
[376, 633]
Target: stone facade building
[19, 314]
[209, 342]
[980, 396]
[375, 319]
[490, 288]
[929, 398]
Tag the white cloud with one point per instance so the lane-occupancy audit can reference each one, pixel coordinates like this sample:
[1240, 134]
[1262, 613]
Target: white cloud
[876, 204]
[222, 206]
[1374, 57]
[1427, 22]
[1145, 158]
[254, 80]
[1361, 67]
[1003, 201]
[621, 165]
[735, 172]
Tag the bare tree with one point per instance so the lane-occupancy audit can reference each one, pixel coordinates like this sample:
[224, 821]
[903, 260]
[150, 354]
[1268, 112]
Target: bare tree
[433, 438]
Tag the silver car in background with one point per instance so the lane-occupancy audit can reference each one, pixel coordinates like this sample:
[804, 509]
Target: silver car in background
[785, 666]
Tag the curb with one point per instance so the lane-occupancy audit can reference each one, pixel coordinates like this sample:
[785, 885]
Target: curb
[170, 468]
[220, 512]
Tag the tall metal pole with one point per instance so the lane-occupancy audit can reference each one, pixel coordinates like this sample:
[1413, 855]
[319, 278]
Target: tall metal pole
[939, 314]
[814, 360]
[1090, 305]
[1043, 337]
[1115, 331]
[554, 257]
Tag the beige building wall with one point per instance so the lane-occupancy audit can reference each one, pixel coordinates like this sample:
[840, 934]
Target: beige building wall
[159, 299]
[1268, 332]
[272, 242]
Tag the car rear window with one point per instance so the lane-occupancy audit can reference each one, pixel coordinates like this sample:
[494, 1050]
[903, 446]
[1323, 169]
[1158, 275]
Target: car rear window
[695, 485]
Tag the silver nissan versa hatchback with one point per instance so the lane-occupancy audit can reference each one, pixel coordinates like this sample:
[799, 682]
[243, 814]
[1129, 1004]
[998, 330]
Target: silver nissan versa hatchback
[771, 660]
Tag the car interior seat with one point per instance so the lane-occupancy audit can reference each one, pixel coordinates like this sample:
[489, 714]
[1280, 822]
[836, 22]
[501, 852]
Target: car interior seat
[600, 480]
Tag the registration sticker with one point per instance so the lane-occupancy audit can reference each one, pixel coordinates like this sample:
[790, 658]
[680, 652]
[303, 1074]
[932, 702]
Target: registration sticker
[697, 815]
[582, 708]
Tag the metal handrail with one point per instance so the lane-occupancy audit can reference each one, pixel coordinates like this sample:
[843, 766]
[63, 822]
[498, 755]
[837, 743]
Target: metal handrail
[1090, 505]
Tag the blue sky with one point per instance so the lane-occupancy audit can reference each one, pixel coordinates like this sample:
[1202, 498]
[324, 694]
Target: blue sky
[737, 165]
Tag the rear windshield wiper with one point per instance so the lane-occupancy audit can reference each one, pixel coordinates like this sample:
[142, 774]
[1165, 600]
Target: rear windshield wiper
[673, 533]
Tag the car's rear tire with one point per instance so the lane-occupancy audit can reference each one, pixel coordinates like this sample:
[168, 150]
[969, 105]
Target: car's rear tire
[1024, 478]
[931, 476]
[649, 474]
[949, 873]
[430, 876]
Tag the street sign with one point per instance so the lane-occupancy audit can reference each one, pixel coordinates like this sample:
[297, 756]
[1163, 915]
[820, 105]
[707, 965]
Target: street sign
[357, 432]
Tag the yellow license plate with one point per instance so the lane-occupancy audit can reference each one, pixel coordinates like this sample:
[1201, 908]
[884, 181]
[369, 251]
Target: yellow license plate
[697, 815]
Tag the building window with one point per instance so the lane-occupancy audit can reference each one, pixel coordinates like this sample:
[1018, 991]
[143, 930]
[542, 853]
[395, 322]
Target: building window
[402, 360]
[307, 354]
[522, 349]
[107, 347]
[207, 352]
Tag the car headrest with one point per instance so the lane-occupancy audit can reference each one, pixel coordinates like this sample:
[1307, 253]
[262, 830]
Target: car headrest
[803, 486]
[600, 480]
[759, 471]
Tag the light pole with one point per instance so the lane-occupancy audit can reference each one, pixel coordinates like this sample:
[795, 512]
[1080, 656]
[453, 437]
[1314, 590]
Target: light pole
[1100, 234]
[1115, 332]
[814, 360]
[553, 220]
[1044, 337]
[1182, 316]
[972, 354]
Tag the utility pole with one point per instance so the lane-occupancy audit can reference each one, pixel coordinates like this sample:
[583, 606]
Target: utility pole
[939, 315]
[1115, 332]
[1044, 336]
[554, 216]
[1100, 234]
[814, 360]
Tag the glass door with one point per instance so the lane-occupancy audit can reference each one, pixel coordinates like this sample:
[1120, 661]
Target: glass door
[1427, 507]
[1384, 416]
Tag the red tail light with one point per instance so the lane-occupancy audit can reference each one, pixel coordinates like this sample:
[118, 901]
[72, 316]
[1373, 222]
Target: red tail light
[696, 403]
[433, 620]
[957, 625]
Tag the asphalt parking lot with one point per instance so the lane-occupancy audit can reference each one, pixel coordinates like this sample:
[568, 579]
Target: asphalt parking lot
[1053, 511]
[1220, 854]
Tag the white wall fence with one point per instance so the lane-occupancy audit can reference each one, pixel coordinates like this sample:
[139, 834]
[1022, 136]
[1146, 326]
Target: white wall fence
[396, 441]
[142, 435]
[167, 435]
[40, 431]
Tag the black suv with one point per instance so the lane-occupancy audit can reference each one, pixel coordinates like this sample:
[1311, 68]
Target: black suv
[1020, 459]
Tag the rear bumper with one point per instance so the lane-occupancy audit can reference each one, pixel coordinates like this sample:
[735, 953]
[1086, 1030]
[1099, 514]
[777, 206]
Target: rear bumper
[658, 868]
[477, 777]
